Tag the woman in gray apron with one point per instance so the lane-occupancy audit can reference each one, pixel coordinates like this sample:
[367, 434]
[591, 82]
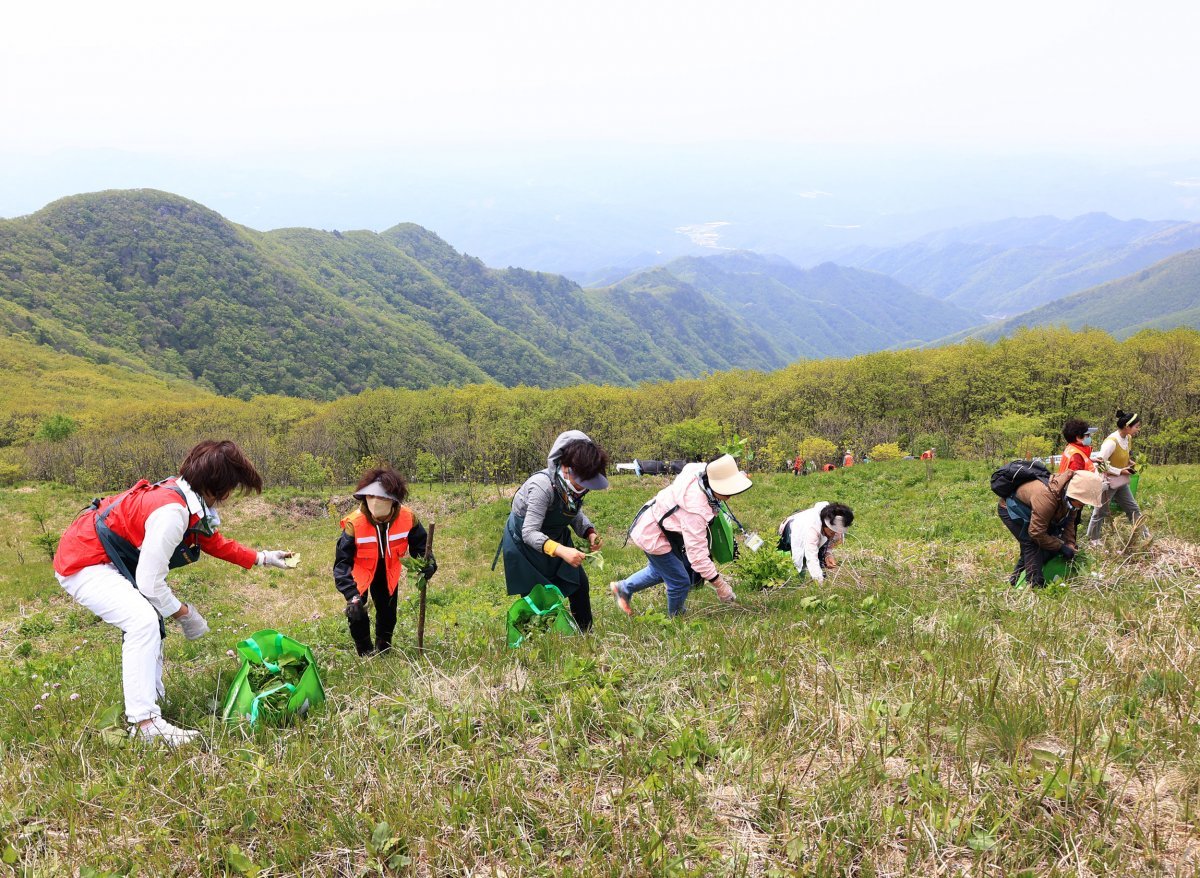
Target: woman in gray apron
[537, 545]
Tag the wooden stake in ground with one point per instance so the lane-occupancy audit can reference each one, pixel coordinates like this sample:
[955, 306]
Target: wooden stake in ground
[424, 585]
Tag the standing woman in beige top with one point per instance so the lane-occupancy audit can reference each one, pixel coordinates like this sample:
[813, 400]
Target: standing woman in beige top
[1113, 460]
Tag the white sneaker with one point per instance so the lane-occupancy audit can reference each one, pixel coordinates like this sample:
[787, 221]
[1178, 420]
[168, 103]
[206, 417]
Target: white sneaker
[1095, 544]
[158, 729]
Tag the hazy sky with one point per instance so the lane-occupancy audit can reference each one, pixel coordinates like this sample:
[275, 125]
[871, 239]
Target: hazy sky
[556, 134]
[230, 78]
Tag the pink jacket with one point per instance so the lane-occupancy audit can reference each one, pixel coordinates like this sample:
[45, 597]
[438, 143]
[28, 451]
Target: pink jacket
[690, 519]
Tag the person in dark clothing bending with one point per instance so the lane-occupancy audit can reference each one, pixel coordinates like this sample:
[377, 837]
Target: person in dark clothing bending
[1043, 518]
[537, 545]
[381, 528]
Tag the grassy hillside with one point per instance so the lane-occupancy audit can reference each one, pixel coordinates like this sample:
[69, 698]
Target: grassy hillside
[913, 716]
[37, 383]
[1162, 296]
[1010, 266]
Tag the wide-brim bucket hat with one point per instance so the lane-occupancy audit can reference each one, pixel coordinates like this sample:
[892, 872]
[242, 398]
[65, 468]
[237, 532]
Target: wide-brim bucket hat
[1086, 487]
[724, 477]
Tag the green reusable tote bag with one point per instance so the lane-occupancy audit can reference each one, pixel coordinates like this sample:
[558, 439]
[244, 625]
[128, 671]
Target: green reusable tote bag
[278, 676]
[544, 607]
[721, 541]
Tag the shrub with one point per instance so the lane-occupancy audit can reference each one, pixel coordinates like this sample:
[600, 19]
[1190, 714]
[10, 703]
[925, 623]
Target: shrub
[57, 428]
[1029, 447]
[694, 439]
[818, 450]
[886, 451]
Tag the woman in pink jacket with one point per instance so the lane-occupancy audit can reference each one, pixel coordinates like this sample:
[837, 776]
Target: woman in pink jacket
[672, 529]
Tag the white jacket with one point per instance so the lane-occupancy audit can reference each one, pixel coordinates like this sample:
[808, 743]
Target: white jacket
[807, 540]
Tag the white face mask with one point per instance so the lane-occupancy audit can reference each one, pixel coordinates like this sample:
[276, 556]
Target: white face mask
[379, 507]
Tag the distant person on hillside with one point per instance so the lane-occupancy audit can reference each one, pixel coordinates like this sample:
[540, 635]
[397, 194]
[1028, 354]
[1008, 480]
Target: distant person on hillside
[798, 466]
[381, 527]
[672, 530]
[114, 559]
[811, 533]
[1115, 460]
[537, 546]
[848, 458]
[1043, 519]
[927, 454]
[1078, 453]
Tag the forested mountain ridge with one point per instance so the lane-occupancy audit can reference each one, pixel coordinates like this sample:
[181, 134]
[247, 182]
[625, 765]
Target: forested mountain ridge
[1010, 266]
[830, 310]
[165, 285]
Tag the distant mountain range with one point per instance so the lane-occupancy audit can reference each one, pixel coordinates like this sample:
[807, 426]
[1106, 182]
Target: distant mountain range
[170, 289]
[830, 310]
[1008, 267]
[1162, 296]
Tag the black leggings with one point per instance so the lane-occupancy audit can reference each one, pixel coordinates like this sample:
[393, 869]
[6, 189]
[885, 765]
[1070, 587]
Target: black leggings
[385, 618]
[1032, 555]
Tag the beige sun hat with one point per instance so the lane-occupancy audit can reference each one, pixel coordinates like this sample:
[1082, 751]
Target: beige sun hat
[1087, 487]
[724, 477]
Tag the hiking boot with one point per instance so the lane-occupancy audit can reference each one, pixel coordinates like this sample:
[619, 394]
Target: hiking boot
[621, 598]
[158, 729]
[725, 591]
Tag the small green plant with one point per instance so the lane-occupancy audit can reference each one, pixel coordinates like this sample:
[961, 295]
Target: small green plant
[45, 539]
[766, 568]
[387, 852]
[739, 448]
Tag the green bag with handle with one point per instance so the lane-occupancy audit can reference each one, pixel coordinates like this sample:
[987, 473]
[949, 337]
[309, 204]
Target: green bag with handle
[722, 545]
[544, 606]
[278, 676]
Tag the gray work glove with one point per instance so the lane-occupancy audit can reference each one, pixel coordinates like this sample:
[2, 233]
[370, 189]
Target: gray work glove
[273, 558]
[193, 624]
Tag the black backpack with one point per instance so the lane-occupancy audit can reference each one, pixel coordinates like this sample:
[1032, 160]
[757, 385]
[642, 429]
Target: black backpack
[1011, 476]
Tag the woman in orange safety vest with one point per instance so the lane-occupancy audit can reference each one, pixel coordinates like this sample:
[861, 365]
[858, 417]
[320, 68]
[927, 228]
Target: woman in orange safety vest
[367, 560]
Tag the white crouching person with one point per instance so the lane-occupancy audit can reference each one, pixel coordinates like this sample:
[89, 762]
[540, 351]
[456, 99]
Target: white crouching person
[811, 533]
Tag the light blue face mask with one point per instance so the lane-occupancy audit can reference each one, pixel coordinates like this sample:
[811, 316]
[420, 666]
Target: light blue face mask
[1087, 440]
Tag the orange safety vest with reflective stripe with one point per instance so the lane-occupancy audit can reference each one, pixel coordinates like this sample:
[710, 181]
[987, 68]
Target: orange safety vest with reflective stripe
[1073, 450]
[366, 548]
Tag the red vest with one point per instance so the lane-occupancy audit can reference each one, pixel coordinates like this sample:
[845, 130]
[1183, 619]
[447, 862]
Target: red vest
[366, 548]
[1076, 451]
[80, 546]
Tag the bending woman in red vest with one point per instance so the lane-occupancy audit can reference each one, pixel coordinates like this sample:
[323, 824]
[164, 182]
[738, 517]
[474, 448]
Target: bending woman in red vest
[114, 558]
[382, 527]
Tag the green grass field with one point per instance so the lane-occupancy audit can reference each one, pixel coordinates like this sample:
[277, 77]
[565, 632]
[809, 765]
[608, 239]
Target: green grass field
[912, 716]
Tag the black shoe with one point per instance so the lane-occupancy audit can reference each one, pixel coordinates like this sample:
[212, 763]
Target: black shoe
[383, 645]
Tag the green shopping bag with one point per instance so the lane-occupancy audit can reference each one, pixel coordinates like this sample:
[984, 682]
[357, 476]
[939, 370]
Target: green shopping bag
[1057, 568]
[278, 676]
[544, 607]
[721, 542]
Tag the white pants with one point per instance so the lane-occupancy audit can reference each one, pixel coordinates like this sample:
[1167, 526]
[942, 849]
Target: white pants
[110, 596]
